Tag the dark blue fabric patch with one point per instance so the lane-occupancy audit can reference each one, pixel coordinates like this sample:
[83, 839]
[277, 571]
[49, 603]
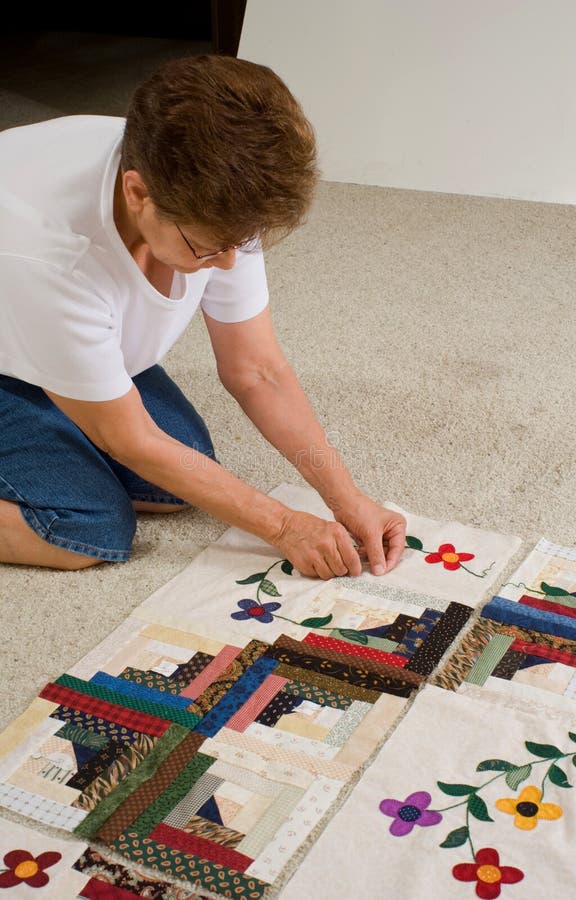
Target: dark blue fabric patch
[531, 660]
[83, 754]
[209, 810]
[510, 613]
[131, 689]
[238, 694]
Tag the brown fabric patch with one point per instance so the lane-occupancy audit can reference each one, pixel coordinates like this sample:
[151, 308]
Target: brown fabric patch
[456, 670]
[227, 837]
[135, 804]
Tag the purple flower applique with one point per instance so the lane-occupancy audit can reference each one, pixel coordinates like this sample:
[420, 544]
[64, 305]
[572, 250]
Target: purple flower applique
[410, 812]
[253, 610]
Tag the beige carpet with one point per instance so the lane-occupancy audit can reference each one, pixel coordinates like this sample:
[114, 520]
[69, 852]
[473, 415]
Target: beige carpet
[434, 335]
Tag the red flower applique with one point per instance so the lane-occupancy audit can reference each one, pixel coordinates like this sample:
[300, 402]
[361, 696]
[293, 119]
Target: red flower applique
[488, 874]
[23, 867]
[447, 554]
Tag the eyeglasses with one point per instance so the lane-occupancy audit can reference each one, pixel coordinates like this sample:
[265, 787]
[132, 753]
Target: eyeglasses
[247, 246]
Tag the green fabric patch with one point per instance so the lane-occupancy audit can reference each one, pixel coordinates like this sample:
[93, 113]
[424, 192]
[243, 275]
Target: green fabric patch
[166, 744]
[489, 658]
[166, 802]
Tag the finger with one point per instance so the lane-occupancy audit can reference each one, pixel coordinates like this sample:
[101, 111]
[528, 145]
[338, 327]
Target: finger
[396, 538]
[349, 556]
[376, 555]
[322, 569]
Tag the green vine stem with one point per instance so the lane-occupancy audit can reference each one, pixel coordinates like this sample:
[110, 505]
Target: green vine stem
[553, 773]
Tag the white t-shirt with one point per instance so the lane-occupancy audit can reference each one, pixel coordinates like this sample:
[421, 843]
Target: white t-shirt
[77, 314]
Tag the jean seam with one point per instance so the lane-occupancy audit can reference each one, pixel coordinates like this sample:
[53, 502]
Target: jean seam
[154, 498]
[74, 546]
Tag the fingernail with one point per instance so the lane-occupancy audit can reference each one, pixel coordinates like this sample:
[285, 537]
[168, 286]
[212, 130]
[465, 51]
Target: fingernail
[379, 570]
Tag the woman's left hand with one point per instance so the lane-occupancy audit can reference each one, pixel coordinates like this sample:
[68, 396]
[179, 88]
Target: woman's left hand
[380, 532]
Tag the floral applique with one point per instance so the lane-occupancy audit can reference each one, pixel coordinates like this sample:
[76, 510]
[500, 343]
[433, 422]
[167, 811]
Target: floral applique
[23, 868]
[451, 559]
[528, 809]
[488, 874]
[266, 612]
[410, 812]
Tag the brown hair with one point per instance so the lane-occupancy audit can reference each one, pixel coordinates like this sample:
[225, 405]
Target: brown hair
[222, 143]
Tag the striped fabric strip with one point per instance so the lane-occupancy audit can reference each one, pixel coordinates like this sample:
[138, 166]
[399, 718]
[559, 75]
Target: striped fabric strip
[489, 659]
[197, 846]
[248, 712]
[550, 653]
[159, 808]
[113, 712]
[131, 689]
[235, 698]
[150, 789]
[265, 829]
[211, 672]
[560, 606]
[352, 649]
[138, 848]
[433, 649]
[511, 613]
[159, 710]
[113, 801]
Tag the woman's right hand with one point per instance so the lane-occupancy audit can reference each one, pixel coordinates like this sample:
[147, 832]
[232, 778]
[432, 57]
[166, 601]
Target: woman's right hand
[316, 547]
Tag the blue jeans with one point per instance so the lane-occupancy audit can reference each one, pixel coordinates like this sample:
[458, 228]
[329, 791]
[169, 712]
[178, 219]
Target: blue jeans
[72, 494]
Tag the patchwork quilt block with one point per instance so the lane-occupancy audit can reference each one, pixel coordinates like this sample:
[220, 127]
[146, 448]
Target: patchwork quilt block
[482, 810]
[217, 729]
[524, 643]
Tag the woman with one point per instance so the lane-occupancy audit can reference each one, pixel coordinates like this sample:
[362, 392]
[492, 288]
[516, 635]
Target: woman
[114, 232]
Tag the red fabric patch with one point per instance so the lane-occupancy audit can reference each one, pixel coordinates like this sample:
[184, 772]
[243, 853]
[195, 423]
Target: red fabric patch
[99, 890]
[349, 649]
[548, 606]
[121, 715]
[191, 843]
[549, 653]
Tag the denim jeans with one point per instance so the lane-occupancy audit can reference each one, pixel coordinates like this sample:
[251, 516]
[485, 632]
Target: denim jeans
[71, 493]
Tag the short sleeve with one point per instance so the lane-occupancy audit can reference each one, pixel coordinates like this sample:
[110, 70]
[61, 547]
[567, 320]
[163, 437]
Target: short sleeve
[57, 333]
[232, 295]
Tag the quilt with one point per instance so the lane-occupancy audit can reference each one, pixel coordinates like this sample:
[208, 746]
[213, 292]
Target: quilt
[211, 737]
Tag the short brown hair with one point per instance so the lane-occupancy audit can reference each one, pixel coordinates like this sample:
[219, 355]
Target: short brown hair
[222, 143]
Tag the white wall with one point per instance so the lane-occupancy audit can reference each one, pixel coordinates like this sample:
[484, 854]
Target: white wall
[460, 96]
